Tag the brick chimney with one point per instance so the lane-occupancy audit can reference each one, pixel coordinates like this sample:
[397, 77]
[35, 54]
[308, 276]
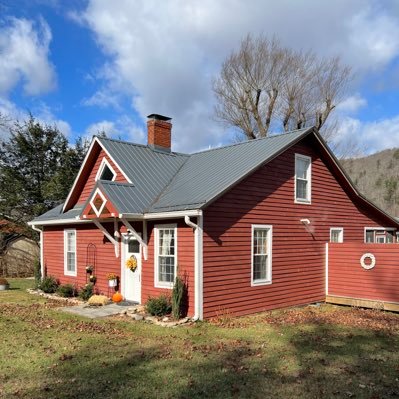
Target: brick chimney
[159, 132]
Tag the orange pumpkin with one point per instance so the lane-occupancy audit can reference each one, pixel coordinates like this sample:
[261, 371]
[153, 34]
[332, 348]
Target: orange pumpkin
[117, 297]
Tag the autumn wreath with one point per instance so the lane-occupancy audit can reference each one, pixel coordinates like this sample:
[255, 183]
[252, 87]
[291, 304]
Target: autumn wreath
[131, 263]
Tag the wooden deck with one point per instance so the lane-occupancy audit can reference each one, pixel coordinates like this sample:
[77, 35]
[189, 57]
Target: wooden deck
[363, 303]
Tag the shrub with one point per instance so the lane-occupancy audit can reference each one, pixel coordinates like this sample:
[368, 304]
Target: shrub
[3, 281]
[49, 285]
[158, 306]
[86, 292]
[179, 296]
[37, 271]
[66, 291]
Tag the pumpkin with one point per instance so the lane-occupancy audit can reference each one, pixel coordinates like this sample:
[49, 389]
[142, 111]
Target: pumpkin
[117, 297]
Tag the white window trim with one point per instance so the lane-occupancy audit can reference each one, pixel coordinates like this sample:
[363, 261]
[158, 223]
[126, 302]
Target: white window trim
[377, 228]
[268, 279]
[100, 171]
[99, 211]
[341, 230]
[66, 271]
[309, 179]
[157, 283]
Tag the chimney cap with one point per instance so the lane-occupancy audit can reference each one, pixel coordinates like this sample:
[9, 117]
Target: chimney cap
[159, 117]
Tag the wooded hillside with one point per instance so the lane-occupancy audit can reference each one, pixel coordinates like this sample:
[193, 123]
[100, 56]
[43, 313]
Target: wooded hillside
[377, 177]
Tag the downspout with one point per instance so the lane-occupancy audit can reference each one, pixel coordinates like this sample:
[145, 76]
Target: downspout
[198, 262]
[41, 249]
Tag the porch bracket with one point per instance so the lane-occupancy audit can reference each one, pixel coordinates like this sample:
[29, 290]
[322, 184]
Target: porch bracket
[105, 232]
[137, 237]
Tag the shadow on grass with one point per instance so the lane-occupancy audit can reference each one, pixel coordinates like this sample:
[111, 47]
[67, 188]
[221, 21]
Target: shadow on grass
[313, 362]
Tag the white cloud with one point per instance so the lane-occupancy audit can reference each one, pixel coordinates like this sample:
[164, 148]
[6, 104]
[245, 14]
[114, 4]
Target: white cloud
[108, 127]
[24, 49]
[45, 114]
[42, 112]
[163, 55]
[124, 127]
[352, 104]
[372, 136]
[373, 37]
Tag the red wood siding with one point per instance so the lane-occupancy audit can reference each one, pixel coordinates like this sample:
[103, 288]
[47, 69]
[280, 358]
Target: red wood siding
[106, 262]
[298, 268]
[90, 182]
[53, 251]
[185, 262]
[347, 278]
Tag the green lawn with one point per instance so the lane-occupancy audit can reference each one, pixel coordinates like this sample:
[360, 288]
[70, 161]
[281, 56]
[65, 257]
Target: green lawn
[324, 352]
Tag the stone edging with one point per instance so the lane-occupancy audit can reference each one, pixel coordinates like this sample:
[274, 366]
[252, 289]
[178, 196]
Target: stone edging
[69, 301]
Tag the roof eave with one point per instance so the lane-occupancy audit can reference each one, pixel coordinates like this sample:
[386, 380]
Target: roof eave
[264, 162]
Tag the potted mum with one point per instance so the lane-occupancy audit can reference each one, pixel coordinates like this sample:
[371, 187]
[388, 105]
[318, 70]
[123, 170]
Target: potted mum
[112, 279]
[4, 285]
[89, 269]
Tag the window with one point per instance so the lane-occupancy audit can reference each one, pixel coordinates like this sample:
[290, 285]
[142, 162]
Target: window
[336, 234]
[302, 178]
[261, 254]
[105, 171]
[133, 246]
[70, 252]
[379, 235]
[165, 255]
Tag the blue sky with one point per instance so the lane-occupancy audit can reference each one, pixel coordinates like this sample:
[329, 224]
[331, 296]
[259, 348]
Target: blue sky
[104, 65]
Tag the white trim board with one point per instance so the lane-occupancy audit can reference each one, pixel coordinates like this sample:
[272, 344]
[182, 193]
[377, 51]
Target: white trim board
[157, 283]
[95, 140]
[66, 271]
[269, 275]
[100, 171]
[307, 201]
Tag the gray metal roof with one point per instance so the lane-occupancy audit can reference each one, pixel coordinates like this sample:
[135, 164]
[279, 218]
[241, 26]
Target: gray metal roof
[127, 198]
[56, 214]
[150, 171]
[208, 174]
[164, 182]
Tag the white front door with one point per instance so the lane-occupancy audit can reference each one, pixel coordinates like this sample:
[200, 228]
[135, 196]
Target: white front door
[131, 281]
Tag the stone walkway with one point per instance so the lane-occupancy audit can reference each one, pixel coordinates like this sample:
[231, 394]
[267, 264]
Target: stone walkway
[94, 312]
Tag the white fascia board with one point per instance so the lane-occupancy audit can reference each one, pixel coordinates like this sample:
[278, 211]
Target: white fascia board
[95, 140]
[79, 173]
[55, 222]
[171, 215]
[349, 181]
[160, 215]
[128, 216]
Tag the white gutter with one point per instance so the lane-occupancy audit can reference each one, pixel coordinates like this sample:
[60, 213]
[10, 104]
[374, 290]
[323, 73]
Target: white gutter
[41, 249]
[198, 264]
[57, 222]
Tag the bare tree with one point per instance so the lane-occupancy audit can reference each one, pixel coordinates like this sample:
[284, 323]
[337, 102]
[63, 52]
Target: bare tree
[264, 85]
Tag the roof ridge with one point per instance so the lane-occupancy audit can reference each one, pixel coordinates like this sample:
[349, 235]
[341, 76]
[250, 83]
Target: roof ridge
[141, 145]
[254, 140]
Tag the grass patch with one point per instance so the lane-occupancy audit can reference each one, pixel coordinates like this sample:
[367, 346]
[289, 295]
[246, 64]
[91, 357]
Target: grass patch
[298, 353]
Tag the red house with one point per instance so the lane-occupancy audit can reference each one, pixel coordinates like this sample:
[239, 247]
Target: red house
[245, 224]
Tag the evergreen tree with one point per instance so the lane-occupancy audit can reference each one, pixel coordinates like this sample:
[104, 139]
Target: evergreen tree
[37, 169]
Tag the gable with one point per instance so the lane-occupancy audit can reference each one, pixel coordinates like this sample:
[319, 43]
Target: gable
[96, 160]
[99, 206]
[272, 187]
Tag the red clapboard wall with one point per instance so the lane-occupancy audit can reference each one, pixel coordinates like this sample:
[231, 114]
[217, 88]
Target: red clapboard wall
[185, 262]
[347, 278]
[107, 262]
[298, 254]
